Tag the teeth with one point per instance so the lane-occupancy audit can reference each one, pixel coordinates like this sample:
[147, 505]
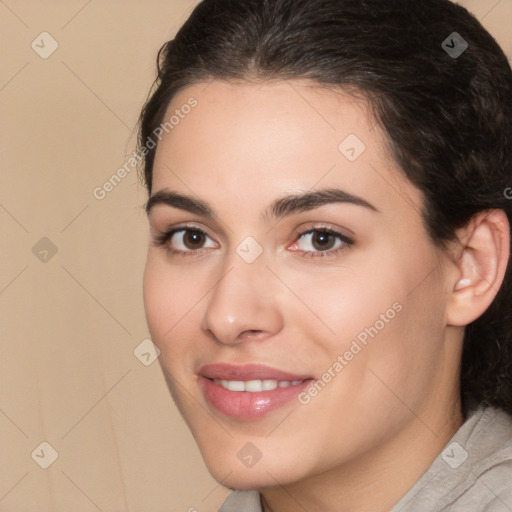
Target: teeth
[233, 385]
[255, 385]
[286, 383]
[267, 385]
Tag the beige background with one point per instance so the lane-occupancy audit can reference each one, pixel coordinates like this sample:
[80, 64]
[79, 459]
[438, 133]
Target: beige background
[70, 325]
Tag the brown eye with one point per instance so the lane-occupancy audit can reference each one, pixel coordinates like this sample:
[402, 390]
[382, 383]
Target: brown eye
[193, 239]
[323, 241]
[187, 240]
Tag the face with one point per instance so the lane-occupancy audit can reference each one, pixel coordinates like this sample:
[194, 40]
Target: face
[298, 272]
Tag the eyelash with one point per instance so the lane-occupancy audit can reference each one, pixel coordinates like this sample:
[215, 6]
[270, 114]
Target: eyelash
[161, 240]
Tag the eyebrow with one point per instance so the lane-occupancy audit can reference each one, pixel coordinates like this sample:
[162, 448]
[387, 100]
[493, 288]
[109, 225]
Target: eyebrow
[280, 208]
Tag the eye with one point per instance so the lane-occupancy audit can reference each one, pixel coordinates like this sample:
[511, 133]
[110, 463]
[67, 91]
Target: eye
[184, 240]
[321, 242]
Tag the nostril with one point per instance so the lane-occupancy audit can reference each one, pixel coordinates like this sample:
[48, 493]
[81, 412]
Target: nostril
[253, 333]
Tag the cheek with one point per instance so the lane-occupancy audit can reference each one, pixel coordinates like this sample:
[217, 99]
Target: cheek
[402, 360]
[388, 319]
[339, 304]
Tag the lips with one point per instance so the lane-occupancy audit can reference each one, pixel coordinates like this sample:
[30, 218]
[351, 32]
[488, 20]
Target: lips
[243, 400]
[247, 372]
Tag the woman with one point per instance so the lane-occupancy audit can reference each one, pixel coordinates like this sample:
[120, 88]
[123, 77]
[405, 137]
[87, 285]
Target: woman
[327, 278]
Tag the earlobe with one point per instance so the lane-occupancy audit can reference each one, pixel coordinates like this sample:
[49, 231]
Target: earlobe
[481, 266]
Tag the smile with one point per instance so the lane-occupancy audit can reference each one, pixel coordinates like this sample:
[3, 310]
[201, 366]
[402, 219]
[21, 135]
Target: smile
[249, 391]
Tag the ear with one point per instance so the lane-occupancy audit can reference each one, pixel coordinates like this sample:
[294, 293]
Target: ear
[481, 262]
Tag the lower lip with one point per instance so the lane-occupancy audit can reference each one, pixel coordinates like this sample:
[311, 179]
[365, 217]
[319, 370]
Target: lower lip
[246, 404]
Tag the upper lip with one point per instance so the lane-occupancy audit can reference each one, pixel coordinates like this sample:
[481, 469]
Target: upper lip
[227, 371]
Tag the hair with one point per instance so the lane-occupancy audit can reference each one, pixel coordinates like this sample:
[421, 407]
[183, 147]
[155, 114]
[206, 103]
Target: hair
[448, 119]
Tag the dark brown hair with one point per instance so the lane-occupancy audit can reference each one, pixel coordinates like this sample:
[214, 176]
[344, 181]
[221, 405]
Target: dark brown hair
[448, 117]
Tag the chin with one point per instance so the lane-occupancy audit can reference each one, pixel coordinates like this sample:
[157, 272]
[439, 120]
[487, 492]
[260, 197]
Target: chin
[243, 479]
[227, 469]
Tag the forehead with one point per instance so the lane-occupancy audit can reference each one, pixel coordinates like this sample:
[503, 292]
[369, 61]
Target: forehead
[256, 141]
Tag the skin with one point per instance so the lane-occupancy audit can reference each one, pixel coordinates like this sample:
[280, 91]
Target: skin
[369, 435]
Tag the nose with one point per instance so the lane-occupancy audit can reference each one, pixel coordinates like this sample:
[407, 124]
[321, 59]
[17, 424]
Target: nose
[243, 303]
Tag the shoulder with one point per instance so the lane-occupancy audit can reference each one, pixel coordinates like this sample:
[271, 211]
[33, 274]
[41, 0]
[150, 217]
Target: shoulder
[473, 472]
[499, 485]
[491, 486]
[485, 481]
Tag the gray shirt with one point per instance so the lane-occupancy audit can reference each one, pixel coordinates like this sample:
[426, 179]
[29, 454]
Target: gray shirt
[473, 473]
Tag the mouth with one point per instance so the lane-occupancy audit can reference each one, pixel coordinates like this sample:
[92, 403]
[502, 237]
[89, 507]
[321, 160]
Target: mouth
[249, 391]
